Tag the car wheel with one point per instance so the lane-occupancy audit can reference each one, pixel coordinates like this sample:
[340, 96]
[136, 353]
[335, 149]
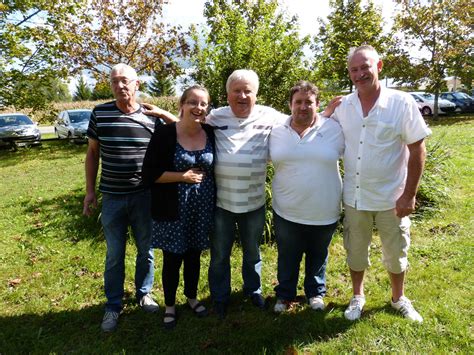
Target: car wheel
[426, 111]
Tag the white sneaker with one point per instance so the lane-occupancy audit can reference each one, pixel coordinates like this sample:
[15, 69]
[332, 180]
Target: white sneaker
[354, 310]
[109, 322]
[148, 304]
[317, 303]
[280, 306]
[404, 306]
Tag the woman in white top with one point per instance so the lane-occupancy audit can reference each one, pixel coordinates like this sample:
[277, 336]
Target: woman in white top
[306, 193]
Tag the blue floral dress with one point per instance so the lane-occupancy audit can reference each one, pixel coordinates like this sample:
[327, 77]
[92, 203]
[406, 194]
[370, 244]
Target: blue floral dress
[195, 206]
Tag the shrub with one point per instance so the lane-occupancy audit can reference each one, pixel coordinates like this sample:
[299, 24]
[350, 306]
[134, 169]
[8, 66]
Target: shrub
[434, 186]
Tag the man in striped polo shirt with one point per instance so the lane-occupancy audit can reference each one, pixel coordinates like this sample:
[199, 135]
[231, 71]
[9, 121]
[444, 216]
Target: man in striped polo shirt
[242, 132]
[119, 133]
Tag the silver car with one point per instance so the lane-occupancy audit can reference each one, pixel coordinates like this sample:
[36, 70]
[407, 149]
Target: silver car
[18, 130]
[72, 124]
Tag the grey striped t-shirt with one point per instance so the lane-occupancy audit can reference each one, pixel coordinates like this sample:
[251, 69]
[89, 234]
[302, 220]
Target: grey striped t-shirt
[242, 153]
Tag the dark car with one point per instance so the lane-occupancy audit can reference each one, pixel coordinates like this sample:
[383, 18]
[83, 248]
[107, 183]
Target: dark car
[463, 102]
[72, 124]
[18, 130]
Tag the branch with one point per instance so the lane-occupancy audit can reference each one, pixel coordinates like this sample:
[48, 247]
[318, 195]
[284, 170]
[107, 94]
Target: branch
[27, 18]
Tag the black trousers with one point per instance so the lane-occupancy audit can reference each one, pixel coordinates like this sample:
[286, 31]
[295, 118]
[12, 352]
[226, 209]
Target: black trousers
[170, 274]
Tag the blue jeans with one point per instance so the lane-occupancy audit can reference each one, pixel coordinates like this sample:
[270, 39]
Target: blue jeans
[250, 227]
[294, 239]
[118, 213]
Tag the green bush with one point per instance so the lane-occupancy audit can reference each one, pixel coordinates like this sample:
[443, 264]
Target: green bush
[434, 186]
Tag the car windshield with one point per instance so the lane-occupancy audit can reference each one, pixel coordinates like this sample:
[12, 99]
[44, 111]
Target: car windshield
[14, 120]
[79, 116]
[460, 95]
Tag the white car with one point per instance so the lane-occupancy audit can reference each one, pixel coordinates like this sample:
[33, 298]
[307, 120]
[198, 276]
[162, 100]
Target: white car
[18, 130]
[425, 103]
[72, 124]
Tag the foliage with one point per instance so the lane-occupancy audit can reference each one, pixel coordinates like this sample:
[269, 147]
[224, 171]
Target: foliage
[434, 187]
[105, 33]
[30, 49]
[83, 91]
[350, 24]
[161, 85]
[441, 32]
[252, 35]
[102, 90]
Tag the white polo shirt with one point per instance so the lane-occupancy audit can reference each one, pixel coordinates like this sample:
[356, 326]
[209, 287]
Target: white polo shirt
[376, 155]
[307, 187]
[242, 153]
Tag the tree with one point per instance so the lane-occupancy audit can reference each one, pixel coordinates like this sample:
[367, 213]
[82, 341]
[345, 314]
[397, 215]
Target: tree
[248, 34]
[161, 85]
[130, 31]
[440, 32]
[102, 90]
[349, 25]
[30, 53]
[83, 91]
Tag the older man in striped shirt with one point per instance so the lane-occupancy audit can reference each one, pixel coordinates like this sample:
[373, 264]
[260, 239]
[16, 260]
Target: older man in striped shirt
[119, 133]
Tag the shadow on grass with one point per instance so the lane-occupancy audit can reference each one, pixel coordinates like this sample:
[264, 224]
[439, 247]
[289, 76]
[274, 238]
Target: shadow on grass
[464, 118]
[245, 330]
[48, 151]
[62, 218]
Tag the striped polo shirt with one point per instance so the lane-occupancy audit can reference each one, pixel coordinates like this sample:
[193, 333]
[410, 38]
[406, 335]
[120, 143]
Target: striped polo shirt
[123, 139]
[242, 153]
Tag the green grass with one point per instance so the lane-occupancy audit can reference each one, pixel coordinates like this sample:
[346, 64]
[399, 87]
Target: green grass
[51, 269]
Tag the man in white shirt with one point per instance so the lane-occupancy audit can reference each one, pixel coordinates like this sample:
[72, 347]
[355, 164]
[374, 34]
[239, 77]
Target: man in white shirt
[242, 132]
[383, 163]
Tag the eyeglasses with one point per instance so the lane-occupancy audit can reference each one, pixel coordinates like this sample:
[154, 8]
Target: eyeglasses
[123, 81]
[194, 104]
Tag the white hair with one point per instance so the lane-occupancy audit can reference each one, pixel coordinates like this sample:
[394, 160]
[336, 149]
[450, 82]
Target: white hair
[364, 48]
[242, 75]
[124, 68]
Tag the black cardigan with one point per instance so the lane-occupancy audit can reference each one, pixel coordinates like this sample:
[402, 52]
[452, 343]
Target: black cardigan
[159, 158]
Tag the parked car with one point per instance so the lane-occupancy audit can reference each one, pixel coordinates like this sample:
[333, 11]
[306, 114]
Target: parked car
[72, 124]
[425, 103]
[18, 130]
[463, 102]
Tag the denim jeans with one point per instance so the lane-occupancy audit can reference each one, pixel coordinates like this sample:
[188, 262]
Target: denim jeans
[294, 239]
[118, 213]
[250, 228]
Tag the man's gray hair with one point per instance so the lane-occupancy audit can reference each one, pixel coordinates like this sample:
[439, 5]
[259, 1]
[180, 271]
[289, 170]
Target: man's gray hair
[122, 67]
[244, 75]
[366, 48]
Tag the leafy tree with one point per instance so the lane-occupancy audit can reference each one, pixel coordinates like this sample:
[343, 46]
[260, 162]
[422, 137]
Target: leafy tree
[161, 85]
[440, 32]
[83, 91]
[102, 90]
[350, 24]
[248, 34]
[130, 31]
[30, 53]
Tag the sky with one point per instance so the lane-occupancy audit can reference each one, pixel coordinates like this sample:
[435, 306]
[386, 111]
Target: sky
[186, 12]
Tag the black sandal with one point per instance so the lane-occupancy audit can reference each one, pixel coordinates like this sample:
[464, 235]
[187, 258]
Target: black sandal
[172, 324]
[200, 314]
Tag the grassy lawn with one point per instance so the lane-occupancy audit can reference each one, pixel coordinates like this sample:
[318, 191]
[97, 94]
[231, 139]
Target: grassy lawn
[51, 269]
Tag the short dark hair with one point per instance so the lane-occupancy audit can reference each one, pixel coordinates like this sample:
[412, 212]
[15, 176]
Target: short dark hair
[304, 86]
[186, 92]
